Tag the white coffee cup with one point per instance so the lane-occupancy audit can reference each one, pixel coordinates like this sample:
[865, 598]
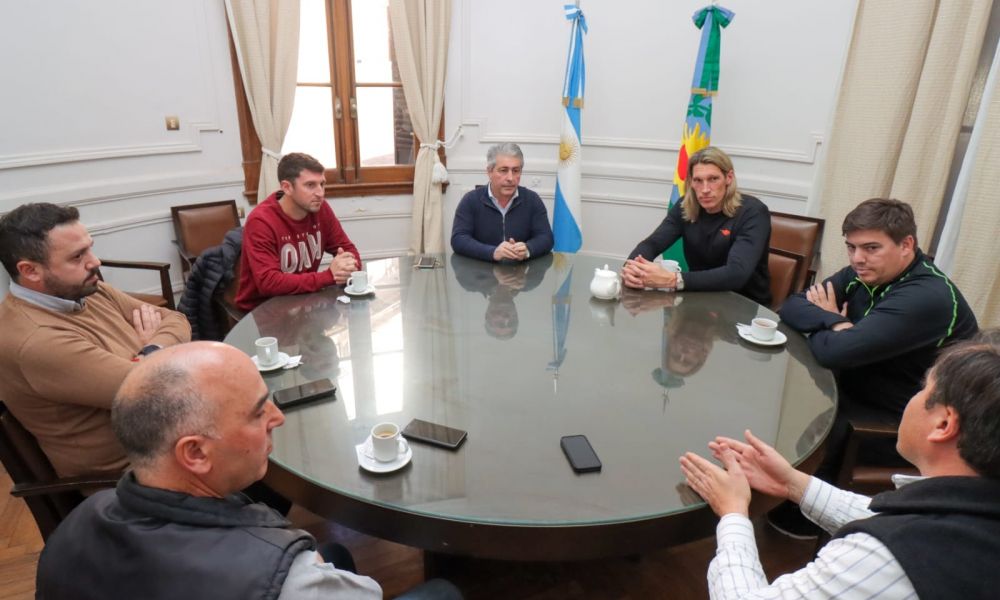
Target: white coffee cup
[387, 443]
[763, 329]
[672, 265]
[267, 351]
[358, 281]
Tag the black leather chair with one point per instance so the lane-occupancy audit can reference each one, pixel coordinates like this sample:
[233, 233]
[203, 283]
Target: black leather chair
[49, 497]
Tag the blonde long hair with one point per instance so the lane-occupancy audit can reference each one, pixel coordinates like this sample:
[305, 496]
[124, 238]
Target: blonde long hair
[710, 155]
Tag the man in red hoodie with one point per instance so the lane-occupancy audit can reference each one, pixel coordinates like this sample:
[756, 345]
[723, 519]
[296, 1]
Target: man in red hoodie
[286, 235]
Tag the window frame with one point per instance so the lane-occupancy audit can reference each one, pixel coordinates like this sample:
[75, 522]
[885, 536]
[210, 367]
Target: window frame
[347, 177]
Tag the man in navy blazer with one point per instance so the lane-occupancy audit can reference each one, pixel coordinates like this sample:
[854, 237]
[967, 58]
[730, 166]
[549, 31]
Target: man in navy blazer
[502, 221]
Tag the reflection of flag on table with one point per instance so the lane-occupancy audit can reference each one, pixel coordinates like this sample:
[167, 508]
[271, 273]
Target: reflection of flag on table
[697, 132]
[561, 304]
[566, 223]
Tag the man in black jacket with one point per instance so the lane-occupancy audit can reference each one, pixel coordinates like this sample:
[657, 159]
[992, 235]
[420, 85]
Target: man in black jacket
[880, 322]
[725, 235]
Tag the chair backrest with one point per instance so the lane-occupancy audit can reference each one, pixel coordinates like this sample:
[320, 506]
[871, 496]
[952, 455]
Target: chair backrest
[201, 226]
[868, 478]
[798, 234]
[784, 268]
[27, 465]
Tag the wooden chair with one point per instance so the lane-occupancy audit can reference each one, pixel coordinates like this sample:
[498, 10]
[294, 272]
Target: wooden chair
[201, 226]
[49, 497]
[165, 299]
[784, 268]
[864, 478]
[801, 235]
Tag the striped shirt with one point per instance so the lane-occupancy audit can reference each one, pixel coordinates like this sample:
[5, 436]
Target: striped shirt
[853, 567]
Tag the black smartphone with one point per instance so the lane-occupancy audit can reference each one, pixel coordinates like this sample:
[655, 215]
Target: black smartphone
[580, 453]
[307, 392]
[432, 433]
[425, 262]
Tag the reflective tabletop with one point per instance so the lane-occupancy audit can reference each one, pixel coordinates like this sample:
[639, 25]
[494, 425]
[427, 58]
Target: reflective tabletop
[520, 356]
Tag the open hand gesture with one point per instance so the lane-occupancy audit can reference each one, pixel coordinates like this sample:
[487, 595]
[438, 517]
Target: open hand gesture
[726, 491]
[765, 469]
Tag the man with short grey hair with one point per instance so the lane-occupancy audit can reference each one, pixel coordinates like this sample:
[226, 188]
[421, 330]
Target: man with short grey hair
[196, 422]
[502, 221]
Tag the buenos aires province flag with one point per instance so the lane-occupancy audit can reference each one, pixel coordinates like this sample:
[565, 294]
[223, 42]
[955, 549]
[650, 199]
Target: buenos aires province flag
[567, 228]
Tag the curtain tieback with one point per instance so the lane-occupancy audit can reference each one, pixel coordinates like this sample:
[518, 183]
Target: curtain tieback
[439, 174]
[271, 153]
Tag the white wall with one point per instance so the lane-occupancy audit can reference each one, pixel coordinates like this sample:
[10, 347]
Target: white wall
[86, 91]
[87, 87]
[781, 63]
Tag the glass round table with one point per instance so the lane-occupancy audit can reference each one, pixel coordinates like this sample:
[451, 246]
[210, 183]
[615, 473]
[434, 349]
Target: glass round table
[520, 356]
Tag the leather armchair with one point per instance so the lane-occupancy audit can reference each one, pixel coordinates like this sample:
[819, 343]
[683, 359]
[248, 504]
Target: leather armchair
[801, 235]
[49, 498]
[784, 268]
[201, 226]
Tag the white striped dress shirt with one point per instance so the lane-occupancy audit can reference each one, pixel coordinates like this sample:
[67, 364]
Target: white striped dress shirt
[853, 567]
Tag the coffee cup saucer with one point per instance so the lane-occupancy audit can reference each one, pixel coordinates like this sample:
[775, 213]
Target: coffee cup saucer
[779, 338]
[368, 290]
[281, 362]
[366, 460]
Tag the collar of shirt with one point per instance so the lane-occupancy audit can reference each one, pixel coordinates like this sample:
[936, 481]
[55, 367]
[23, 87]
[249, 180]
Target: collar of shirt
[899, 479]
[53, 303]
[496, 203]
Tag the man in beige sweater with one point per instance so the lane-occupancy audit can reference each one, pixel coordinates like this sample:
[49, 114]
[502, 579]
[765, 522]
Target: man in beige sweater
[68, 339]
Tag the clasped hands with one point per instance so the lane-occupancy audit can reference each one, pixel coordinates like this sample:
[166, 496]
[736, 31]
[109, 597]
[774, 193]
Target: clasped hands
[511, 250]
[343, 265]
[640, 273]
[753, 464]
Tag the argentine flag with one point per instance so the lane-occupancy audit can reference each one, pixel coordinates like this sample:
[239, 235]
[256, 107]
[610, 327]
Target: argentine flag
[566, 223]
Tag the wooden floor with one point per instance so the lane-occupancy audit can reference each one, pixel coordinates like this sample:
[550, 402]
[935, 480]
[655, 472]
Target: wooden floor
[676, 573]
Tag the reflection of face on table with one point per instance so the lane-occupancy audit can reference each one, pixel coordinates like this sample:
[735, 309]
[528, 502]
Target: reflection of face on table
[501, 319]
[691, 334]
[303, 321]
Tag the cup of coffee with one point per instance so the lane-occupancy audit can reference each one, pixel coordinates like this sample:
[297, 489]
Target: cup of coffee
[358, 281]
[672, 265]
[387, 443]
[763, 329]
[267, 351]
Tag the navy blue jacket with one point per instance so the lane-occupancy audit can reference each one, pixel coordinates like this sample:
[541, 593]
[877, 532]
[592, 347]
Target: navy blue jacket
[479, 227]
[899, 327]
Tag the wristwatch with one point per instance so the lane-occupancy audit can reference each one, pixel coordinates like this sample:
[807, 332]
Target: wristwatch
[147, 350]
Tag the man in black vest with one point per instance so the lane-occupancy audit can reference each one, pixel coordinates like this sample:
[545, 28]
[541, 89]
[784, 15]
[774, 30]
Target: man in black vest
[196, 422]
[930, 538]
[878, 323]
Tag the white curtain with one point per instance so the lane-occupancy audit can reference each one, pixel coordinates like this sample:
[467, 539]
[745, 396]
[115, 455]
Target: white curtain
[905, 88]
[266, 36]
[420, 31]
[969, 244]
